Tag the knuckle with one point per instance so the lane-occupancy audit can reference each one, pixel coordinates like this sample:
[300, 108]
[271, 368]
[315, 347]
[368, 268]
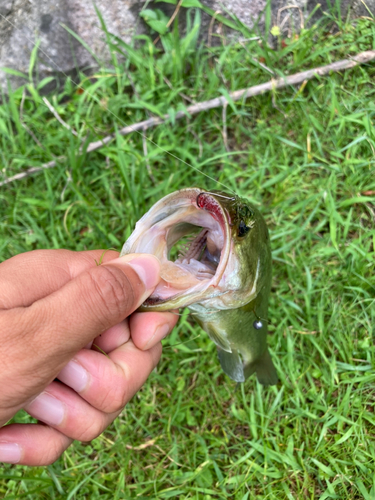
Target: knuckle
[92, 430]
[115, 397]
[54, 451]
[114, 291]
[115, 400]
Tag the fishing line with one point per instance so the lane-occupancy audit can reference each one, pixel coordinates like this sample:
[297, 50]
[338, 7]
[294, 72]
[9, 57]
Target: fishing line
[118, 118]
[180, 343]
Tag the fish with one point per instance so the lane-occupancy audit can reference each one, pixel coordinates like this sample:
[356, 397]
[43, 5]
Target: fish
[222, 273]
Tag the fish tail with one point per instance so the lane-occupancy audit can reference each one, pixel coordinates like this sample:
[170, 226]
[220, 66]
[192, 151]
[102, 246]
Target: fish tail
[233, 366]
[264, 369]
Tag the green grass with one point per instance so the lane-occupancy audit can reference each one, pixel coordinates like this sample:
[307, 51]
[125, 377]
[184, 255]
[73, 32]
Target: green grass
[306, 157]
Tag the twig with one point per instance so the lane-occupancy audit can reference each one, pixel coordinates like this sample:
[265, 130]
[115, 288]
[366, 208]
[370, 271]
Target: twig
[174, 13]
[31, 171]
[28, 130]
[291, 7]
[220, 31]
[237, 95]
[31, 133]
[210, 28]
[361, 58]
[171, 19]
[184, 96]
[58, 117]
[274, 105]
[147, 444]
[286, 18]
[142, 446]
[68, 181]
[225, 81]
[256, 62]
[166, 454]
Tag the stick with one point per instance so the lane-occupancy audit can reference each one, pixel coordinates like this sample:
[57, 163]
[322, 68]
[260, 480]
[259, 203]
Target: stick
[171, 20]
[237, 95]
[58, 117]
[31, 171]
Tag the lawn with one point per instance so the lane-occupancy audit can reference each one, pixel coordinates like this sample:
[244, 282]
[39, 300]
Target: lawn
[305, 156]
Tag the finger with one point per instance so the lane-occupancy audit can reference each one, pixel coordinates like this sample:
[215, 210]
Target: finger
[85, 416]
[31, 444]
[149, 328]
[58, 326]
[60, 407]
[109, 382]
[113, 337]
[31, 276]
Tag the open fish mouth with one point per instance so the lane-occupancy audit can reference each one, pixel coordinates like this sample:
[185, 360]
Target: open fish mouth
[215, 258]
[192, 271]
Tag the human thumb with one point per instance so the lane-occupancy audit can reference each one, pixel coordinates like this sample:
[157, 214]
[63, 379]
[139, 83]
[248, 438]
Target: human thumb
[65, 321]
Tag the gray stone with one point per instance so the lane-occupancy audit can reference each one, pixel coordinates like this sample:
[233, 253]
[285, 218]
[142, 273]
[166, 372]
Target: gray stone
[24, 22]
[5, 7]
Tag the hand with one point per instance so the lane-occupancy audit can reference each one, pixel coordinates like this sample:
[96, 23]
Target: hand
[53, 303]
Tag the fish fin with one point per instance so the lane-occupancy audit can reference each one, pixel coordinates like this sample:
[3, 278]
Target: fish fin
[264, 368]
[232, 365]
[218, 337]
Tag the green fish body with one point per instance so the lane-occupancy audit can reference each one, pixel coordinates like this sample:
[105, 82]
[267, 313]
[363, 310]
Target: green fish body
[223, 276]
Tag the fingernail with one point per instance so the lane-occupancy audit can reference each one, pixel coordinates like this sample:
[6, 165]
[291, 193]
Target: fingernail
[147, 267]
[74, 376]
[160, 333]
[47, 409]
[10, 452]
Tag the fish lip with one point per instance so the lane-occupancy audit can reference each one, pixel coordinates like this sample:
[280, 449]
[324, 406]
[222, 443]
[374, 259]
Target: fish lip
[201, 200]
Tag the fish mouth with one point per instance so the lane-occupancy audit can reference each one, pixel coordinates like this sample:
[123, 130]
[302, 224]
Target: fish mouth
[189, 232]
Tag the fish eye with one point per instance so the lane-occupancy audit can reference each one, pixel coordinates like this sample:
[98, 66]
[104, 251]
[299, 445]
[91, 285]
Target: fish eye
[243, 229]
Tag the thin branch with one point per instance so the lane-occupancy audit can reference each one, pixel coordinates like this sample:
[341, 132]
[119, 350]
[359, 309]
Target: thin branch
[28, 130]
[174, 13]
[184, 96]
[286, 18]
[58, 117]
[290, 7]
[237, 95]
[210, 28]
[171, 20]
[255, 61]
[31, 171]
[31, 133]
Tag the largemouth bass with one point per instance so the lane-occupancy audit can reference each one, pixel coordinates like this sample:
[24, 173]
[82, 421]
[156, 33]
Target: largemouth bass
[223, 275]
